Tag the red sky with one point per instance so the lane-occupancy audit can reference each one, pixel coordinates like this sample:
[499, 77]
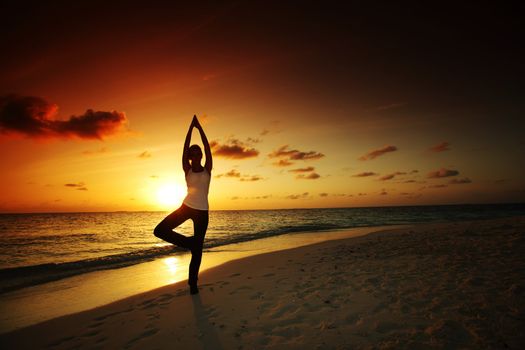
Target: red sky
[309, 105]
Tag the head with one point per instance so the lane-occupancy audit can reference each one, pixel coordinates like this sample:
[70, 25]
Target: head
[195, 154]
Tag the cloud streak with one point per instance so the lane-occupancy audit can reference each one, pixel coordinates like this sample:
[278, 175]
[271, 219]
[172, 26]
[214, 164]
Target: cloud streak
[311, 176]
[462, 181]
[34, 117]
[292, 154]
[440, 147]
[378, 152]
[78, 186]
[144, 155]
[234, 149]
[298, 196]
[391, 176]
[302, 170]
[442, 173]
[236, 174]
[365, 174]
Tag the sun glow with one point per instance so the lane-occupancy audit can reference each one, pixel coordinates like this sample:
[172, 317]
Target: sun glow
[170, 195]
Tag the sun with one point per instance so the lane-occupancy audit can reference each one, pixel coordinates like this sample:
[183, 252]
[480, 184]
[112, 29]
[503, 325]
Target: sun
[170, 195]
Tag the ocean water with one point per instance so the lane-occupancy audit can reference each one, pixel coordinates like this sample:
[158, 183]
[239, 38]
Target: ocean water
[36, 248]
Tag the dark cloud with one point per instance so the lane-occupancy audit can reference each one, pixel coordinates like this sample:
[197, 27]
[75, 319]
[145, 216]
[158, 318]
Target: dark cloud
[302, 170]
[323, 194]
[391, 176]
[440, 147]
[234, 149]
[293, 154]
[378, 152]
[79, 186]
[298, 196]
[144, 155]
[383, 192]
[35, 117]
[311, 176]
[365, 174]
[442, 173]
[464, 180]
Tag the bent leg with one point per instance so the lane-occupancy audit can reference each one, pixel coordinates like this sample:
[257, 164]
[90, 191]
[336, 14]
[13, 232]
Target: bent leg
[164, 229]
[200, 225]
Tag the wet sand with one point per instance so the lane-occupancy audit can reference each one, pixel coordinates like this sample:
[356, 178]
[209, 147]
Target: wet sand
[449, 285]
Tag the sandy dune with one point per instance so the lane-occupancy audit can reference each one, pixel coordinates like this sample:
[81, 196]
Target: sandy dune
[452, 285]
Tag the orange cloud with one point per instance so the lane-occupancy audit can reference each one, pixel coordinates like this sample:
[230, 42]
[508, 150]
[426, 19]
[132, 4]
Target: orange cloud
[79, 186]
[365, 174]
[144, 155]
[302, 170]
[231, 173]
[378, 152]
[311, 176]
[34, 117]
[235, 174]
[442, 173]
[250, 178]
[283, 162]
[391, 176]
[293, 154]
[234, 149]
[440, 147]
[298, 196]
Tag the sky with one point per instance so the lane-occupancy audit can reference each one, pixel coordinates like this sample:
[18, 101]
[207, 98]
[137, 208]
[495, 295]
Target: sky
[306, 104]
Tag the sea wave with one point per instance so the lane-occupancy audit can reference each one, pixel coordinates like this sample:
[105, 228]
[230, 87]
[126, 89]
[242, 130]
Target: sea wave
[25, 276]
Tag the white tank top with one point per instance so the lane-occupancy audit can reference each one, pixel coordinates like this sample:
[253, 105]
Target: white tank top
[198, 186]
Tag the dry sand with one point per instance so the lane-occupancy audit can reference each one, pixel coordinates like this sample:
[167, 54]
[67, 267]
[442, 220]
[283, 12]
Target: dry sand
[451, 285]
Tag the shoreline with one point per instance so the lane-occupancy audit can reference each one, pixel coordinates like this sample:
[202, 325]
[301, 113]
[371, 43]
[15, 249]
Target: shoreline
[82, 292]
[456, 284]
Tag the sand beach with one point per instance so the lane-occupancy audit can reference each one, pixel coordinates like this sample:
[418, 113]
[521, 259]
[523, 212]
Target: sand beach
[439, 285]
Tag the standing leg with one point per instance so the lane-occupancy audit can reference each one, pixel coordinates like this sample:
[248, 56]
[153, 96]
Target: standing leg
[200, 225]
[164, 229]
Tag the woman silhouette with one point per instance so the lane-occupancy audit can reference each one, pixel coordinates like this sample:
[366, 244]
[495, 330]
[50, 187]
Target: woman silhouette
[194, 206]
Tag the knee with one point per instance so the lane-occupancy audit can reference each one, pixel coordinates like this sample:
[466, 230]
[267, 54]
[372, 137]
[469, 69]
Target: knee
[159, 231]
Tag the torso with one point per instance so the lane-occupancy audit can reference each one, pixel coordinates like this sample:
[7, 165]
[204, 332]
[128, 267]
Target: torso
[198, 186]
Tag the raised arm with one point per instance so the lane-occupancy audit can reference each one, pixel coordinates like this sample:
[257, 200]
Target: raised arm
[207, 151]
[185, 160]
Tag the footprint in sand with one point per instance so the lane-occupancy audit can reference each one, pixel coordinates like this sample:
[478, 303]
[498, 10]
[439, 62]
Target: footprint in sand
[95, 325]
[240, 289]
[100, 340]
[143, 335]
[60, 341]
[165, 297]
[90, 334]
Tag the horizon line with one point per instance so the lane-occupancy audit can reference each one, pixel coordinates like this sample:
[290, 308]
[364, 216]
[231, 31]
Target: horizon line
[267, 209]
